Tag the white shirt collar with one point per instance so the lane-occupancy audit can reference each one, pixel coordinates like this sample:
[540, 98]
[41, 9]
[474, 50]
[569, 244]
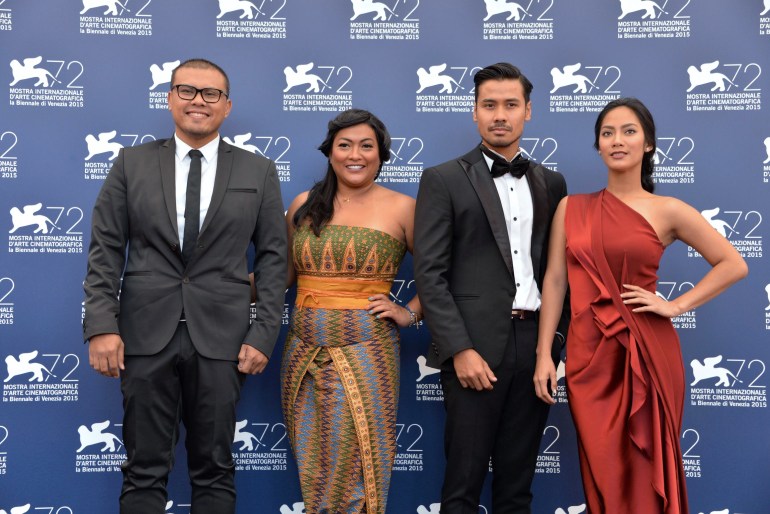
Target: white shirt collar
[209, 150]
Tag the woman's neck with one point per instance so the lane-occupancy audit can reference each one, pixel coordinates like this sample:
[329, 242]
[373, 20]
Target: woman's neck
[345, 193]
[624, 184]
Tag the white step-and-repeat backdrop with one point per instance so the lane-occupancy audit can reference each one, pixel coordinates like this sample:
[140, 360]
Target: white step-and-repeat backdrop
[80, 79]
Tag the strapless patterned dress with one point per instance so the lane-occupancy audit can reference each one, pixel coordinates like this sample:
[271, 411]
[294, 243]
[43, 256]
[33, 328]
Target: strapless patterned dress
[340, 369]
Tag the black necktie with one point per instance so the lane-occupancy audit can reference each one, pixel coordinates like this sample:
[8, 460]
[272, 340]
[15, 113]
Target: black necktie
[517, 167]
[192, 206]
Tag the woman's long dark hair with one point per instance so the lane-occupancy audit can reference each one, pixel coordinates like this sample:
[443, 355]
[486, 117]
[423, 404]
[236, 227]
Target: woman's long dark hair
[319, 206]
[648, 127]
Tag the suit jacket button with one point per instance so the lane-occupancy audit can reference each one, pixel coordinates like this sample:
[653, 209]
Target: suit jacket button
[173, 246]
[186, 280]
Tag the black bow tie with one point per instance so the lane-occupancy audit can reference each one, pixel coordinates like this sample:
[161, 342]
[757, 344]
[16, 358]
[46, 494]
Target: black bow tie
[517, 167]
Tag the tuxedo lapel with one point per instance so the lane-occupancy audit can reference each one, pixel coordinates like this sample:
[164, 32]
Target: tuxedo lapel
[222, 178]
[168, 179]
[478, 173]
[539, 192]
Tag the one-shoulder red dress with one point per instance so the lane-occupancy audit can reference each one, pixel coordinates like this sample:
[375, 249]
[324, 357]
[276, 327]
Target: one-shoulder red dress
[624, 371]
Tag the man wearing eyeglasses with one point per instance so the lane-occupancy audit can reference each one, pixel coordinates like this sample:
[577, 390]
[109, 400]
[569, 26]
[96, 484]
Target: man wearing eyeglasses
[174, 220]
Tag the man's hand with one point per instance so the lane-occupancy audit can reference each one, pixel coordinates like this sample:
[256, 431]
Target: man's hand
[251, 361]
[105, 354]
[473, 371]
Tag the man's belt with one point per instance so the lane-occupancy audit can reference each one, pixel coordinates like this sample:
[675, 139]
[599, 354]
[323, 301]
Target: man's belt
[522, 314]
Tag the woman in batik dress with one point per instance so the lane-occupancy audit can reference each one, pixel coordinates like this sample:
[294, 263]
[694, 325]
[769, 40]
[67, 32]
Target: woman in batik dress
[624, 371]
[340, 369]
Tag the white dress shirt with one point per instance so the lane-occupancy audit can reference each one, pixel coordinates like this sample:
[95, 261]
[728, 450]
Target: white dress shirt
[208, 173]
[516, 199]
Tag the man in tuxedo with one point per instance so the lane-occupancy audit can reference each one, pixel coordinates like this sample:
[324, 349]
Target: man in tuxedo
[481, 243]
[177, 332]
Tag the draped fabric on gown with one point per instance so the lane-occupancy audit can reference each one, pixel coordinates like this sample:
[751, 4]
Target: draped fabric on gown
[340, 373]
[624, 371]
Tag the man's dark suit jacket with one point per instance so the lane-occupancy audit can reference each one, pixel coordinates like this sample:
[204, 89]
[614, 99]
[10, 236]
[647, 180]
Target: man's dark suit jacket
[136, 209]
[462, 255]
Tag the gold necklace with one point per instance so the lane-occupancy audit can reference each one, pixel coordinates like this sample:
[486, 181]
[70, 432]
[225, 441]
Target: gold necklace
[346, 199]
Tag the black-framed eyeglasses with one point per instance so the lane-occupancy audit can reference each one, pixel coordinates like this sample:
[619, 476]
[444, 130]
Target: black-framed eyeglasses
[210, 95]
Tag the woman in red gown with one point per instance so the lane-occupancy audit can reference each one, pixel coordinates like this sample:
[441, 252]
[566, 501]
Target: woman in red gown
[624, 371]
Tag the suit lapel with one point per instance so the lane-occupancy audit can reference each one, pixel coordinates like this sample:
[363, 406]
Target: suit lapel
[478, 173]
[539, 192]
[222, 178]
[168, 179]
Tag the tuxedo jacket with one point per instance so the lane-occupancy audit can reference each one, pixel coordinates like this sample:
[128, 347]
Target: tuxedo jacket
[134, 237]
[462, 255]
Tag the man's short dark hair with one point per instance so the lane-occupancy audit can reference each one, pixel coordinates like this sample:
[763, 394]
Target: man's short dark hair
[502, 71]
[202, 64]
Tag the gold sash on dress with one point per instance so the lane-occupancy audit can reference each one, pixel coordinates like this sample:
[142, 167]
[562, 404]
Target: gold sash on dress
[337, 293]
